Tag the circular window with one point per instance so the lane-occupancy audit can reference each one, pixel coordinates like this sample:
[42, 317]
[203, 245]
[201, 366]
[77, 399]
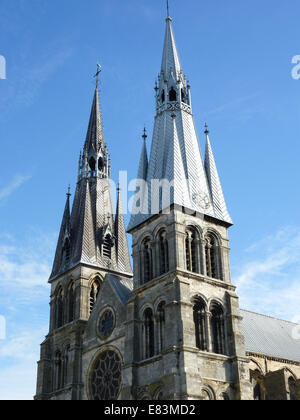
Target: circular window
[106, 324]
[106, 377]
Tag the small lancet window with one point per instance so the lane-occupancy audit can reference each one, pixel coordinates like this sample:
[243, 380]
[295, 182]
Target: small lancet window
[94, 292]
[172, 95]
[148, 334]
[192, 250]
[163, 252]
[101, 164]
[200, 324]
[92, 164]
[217, 328]
[161, 317]
[147, 260]
[58, 371]
[71, 303]
[59, 308]
[183, 96]
[66, 254]
[107, 245]
[211, 256]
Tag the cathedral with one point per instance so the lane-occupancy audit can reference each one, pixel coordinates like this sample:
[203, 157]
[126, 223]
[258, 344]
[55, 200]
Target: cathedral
[170, 327]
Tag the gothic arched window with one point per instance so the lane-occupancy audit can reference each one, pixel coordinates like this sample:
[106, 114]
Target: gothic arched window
[59, 308]
[212, 257]
[172, 95]
[58, 380]
[161, 318]
[200, 324]
[147, 260]
[217, 328]
[94, 292]
[182, 95]
[101, 164]
[65, 366]
[92, 164]
[163, 252]
[71, 303]
[148, 334]
[292, 388]
[66, 251]
[107, 245]
[192, 250]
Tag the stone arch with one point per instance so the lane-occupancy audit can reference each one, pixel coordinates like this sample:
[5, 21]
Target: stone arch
[71, 301]
[163, 251]
[193, 260]
[201, 323]
[255, 365]
[148, 333]
[213, 255]
[207, 393]
[217, 327]
[147, 260]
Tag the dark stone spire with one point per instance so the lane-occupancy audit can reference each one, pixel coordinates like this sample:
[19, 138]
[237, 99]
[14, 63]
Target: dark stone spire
[91, 225]
[122, 251]
[63, 249]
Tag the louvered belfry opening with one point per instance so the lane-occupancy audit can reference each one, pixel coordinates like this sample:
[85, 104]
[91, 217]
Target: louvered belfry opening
[107, 245]
[200, 324]
[217, 328]
[161, 319]
[192, 251]
[164, 252]
[148, 334]
[147, 260]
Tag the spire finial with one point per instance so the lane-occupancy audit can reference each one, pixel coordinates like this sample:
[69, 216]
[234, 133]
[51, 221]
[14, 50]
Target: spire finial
[206, 129]
[97, 74]
[168, 10]
[144, 136]
[69, 191]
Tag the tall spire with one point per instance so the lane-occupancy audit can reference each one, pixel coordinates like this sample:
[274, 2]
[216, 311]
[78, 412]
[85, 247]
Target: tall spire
[143, 166]
[214, 182]
[170, 61]
[175, 152]
[91, 225]
[64, 236]
[122, 251]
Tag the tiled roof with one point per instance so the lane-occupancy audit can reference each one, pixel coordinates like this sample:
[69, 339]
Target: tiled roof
[270, 336]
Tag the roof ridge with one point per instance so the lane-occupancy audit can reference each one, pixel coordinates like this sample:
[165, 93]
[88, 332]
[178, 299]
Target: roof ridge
[269, 316]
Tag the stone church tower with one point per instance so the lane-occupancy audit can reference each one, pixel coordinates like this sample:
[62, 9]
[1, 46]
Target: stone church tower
[92, 244]
[184, 334]
[175, 330]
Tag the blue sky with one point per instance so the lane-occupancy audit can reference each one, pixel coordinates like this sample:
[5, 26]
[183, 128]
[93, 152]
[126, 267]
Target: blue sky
[238, 58]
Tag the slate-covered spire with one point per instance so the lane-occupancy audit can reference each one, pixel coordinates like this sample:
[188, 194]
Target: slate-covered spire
[95, 160]
[143, 165]
[214, 182]
[122, 251]
[174, 157]
[62, 255]
[92, 238]
[170, 61]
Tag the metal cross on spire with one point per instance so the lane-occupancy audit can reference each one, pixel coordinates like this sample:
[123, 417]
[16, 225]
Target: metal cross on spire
[168, 10]
[97, 74]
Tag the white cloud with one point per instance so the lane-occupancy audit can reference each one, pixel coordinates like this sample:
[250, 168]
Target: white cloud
[16, 183]
[269, 279]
